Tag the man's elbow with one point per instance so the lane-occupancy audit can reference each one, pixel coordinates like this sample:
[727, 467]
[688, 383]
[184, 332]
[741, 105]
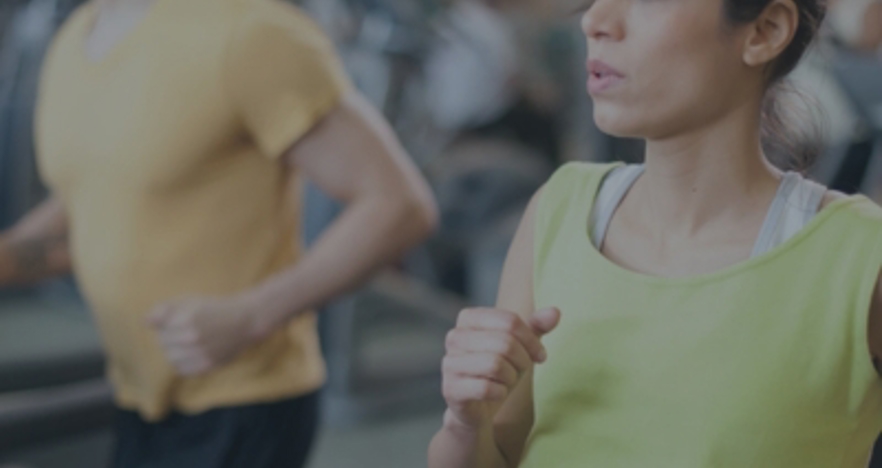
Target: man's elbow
[420, 212]
[413, 212]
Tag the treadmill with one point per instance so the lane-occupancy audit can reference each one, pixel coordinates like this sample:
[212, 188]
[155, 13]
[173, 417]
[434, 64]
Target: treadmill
[860, 77]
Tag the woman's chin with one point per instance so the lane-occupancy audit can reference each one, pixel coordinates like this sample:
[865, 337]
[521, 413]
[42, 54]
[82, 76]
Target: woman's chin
[617, 125]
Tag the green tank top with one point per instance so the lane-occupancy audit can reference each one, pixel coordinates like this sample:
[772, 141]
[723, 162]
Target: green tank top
[764, 364]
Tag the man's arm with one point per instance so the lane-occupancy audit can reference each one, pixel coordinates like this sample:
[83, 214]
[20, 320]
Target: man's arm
[36, 248]
[871, 36]
[353, 155]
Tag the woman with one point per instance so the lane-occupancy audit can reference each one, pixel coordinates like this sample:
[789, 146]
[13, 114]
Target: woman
[703, 310]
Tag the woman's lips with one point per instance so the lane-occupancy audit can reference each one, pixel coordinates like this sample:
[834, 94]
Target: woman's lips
[602, 77]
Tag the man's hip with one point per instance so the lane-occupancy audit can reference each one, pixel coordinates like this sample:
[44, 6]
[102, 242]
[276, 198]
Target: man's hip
[271, 435]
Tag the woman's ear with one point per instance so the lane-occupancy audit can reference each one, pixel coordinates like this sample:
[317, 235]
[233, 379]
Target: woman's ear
[771, 33]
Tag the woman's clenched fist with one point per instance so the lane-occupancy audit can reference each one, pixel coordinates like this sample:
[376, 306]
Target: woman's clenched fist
[487, 353]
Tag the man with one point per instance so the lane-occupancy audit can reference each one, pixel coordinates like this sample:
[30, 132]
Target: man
[170, 133]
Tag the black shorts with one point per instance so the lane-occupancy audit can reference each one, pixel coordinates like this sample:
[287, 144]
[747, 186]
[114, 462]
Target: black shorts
[274, 435]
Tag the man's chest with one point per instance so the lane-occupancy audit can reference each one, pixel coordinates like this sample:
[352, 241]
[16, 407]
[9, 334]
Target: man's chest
[153, 117]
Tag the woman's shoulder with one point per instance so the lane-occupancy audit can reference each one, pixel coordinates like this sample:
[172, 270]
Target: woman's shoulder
[584, 168]
[832, 196]
[854, 221]
[571, 190]
[858, 206]
[578, 174]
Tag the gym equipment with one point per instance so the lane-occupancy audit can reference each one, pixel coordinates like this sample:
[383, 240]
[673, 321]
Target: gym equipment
[7, 10]
[384, 346]
[479, 183]
[859, 76]
[51, 372]
[51, 363]
[46, 343]
[30, 31]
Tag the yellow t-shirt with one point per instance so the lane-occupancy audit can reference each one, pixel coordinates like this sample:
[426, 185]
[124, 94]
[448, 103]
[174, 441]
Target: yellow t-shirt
[166, 157]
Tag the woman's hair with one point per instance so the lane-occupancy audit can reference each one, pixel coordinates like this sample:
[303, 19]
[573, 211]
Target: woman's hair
[783, 143]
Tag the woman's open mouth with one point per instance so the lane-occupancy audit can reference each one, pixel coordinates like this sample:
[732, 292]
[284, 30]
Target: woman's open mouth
[602, 77]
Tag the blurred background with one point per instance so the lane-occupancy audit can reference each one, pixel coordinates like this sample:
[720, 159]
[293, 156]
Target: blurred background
[488, 97]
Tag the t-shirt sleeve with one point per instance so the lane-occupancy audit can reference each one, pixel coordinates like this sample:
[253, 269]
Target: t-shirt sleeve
[282, 75]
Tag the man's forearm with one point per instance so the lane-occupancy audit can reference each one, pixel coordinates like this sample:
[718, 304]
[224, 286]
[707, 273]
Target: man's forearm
[28, 259]
[368, 235]
[36, 248]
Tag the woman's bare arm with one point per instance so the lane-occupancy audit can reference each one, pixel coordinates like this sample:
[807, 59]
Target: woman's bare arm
[498, 441]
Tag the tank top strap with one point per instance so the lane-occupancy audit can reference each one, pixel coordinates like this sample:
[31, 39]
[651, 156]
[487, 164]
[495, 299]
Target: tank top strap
[613, 190]
[797, 202]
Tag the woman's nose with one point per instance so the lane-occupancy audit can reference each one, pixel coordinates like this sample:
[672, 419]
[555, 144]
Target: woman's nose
[604, 20]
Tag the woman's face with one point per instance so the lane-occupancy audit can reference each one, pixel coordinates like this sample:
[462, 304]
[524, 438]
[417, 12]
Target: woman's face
[658, 68]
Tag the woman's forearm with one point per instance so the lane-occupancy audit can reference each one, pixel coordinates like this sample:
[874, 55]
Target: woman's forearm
[458, 447]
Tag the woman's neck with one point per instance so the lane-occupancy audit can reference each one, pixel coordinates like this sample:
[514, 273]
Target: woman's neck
[715, 173]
